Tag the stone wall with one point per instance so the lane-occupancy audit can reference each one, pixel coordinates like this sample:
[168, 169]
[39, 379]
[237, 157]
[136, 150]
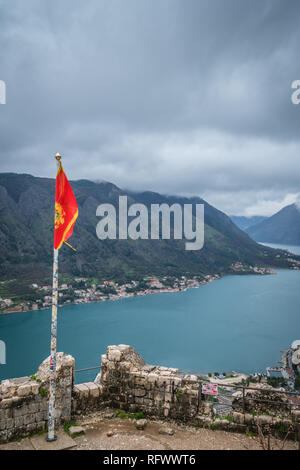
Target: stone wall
[24, 401]
[130, 384]
[125, 382]
[87, 398]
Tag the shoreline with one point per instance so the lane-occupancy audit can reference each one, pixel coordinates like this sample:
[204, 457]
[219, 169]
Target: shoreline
[236, 269]
[97, 312]
[122, 297]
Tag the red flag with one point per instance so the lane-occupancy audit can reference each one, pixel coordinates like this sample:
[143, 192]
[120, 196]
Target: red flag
[66, 210]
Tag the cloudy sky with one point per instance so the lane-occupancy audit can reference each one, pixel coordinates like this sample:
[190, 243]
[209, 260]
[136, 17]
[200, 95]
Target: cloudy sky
[187, 97]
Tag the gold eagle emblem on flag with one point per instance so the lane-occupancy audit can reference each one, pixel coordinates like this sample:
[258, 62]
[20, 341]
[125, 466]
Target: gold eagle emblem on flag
[59, 215]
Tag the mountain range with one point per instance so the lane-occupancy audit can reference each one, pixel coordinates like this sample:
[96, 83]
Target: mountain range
[26, 236]
[244, 222]
[282, 228]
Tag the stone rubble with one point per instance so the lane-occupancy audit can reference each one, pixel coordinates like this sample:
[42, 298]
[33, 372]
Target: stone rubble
[166, 431]
[76, 431]
[141, 424]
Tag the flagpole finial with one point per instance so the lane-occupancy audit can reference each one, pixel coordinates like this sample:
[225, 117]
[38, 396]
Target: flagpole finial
[58, 157]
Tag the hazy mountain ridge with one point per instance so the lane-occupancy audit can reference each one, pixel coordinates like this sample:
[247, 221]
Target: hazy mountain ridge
[244, 222]
[283, 227]
[26, 236]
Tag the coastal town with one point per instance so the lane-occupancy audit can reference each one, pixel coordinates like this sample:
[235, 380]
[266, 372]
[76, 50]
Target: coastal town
[225, 389]
[81, 290]
[84, 290]
[289, 370]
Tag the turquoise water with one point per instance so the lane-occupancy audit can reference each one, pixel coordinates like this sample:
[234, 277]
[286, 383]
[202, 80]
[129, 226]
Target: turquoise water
[236, 323]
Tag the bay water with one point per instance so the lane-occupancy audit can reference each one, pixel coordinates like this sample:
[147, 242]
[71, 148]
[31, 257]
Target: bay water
[239, 322]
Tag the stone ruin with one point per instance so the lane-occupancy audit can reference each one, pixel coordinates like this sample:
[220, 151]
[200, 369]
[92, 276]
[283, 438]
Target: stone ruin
[263, 400]
[24, 401]
[126, 383]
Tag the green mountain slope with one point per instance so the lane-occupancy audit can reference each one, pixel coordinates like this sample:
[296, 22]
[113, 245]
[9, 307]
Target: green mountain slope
[283, 227]
[26, 236]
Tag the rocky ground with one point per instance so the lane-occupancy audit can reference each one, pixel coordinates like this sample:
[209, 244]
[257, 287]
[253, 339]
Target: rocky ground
[102, 431]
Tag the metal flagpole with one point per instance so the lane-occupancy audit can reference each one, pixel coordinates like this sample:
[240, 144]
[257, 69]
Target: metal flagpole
[51, 423]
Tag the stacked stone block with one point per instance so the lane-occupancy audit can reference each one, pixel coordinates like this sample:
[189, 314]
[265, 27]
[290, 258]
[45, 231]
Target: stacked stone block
[125, 382]
[87, 398]
[24, 401]
[129, 383]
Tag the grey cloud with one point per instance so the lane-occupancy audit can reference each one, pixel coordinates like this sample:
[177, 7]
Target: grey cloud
[173, 96]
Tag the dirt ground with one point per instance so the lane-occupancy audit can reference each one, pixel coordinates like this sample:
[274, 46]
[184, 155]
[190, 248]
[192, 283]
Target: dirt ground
[125, 436]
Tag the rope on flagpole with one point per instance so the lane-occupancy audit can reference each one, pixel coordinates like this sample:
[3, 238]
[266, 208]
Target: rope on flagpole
[51, 422]
[74, 249]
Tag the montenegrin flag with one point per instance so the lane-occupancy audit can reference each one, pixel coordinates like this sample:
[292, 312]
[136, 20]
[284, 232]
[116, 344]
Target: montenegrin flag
[66, 210]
